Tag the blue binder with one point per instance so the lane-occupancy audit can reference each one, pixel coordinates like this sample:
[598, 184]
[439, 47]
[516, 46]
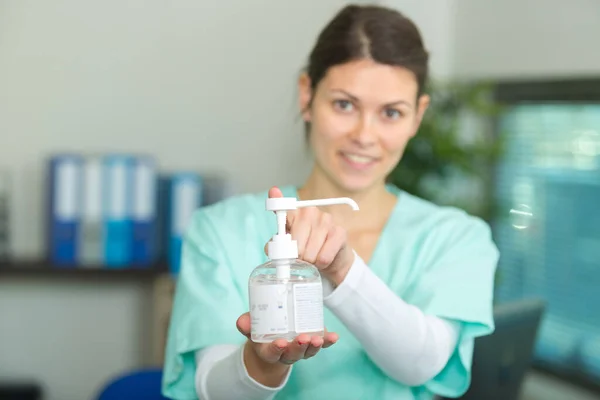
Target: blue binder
[64, 209]
[117, 193]
[144, 212]
[185, 194]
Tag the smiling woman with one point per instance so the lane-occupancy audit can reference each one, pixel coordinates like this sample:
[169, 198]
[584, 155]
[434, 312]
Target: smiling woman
[407, 284]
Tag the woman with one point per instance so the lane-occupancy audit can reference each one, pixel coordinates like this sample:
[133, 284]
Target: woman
[408, 284]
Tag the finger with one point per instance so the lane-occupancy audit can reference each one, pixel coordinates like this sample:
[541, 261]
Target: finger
[301, 230]
[296, 349]
[336, 239]
[316, 342]
[243, 324]
[271, 352]
[317, 238]
[275, 192]
[329, 339]
[289, 221]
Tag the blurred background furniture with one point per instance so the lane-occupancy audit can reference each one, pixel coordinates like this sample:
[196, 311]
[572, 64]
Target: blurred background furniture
[136, 385]
[21, 391]
[502, 360]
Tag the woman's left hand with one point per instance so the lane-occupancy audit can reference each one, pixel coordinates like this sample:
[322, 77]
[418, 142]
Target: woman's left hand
[320, 241]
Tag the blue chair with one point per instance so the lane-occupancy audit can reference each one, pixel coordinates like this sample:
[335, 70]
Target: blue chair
[136, 385]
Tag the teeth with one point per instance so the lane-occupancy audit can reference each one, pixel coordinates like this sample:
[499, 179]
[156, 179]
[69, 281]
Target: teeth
[358, 159]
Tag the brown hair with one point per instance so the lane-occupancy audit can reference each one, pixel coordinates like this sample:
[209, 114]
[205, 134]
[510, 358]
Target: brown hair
[378, 33]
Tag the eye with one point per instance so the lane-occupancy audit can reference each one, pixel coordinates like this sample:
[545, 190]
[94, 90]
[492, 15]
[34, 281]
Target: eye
[392, 113]
[343, 105]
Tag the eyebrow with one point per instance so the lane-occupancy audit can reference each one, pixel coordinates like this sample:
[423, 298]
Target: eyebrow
[354, 98]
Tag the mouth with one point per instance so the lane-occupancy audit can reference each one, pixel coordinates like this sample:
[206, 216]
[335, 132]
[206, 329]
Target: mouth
[358, 161]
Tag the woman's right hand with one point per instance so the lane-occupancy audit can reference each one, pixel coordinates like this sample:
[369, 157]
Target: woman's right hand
[268, 363]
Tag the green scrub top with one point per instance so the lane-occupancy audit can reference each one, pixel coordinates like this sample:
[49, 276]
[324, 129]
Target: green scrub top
[439, 259]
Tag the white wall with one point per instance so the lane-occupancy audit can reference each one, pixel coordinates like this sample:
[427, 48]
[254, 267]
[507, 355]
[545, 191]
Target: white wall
[72, 336]
[523, 39]
[204, 85]
[509, 38]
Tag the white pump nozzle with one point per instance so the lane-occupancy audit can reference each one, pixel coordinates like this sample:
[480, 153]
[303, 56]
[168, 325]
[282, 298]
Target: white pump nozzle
[282, 246]
[291, 203]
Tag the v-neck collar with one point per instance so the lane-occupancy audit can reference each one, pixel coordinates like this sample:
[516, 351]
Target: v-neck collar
[292, 191]
[383, 236]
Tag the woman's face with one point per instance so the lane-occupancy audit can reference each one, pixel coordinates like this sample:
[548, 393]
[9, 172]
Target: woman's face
[362, 116]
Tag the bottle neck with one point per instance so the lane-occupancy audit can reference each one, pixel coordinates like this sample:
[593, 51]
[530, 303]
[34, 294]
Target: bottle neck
[282, 262]
[282, 267]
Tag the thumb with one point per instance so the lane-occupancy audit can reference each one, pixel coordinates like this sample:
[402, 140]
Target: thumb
[275, 192]
[243, 324]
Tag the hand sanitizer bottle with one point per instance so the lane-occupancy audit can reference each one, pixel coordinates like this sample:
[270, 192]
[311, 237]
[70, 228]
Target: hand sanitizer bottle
[286, 294]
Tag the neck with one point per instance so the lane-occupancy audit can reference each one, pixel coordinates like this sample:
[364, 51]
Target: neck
[372, 201]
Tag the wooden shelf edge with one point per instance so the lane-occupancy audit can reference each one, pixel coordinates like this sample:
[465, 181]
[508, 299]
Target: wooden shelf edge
[40, 268]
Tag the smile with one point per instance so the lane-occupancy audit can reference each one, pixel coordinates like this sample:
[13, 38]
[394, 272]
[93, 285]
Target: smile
[358, 161]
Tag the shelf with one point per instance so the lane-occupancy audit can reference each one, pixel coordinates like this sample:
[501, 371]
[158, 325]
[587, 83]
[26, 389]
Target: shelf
[43, 269]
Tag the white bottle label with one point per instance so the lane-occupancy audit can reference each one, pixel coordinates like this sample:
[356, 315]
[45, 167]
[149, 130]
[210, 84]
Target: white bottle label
[269, 309]
[308, 307]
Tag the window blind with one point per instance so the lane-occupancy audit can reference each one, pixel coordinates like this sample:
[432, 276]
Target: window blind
[548, 229]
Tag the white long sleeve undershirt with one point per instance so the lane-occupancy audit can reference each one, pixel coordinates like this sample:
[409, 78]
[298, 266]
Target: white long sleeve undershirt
[406, 344]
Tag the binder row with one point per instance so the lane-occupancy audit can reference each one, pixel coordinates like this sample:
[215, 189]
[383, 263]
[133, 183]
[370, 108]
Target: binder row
[117, 211]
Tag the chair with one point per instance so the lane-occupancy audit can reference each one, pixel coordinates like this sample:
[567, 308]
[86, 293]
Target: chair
[501, 360]
[136, 385]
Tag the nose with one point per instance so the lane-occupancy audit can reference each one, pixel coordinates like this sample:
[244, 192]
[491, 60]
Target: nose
[363, 134]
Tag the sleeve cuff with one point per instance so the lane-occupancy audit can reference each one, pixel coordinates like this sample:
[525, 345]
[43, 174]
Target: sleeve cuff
[332, 298]
[254, 388]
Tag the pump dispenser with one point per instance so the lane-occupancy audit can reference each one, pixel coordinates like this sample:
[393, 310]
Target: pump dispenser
[286, 293]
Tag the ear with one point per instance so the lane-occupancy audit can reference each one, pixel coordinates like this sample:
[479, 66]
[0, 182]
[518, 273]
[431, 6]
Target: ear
[422, 105]
[304, 96]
